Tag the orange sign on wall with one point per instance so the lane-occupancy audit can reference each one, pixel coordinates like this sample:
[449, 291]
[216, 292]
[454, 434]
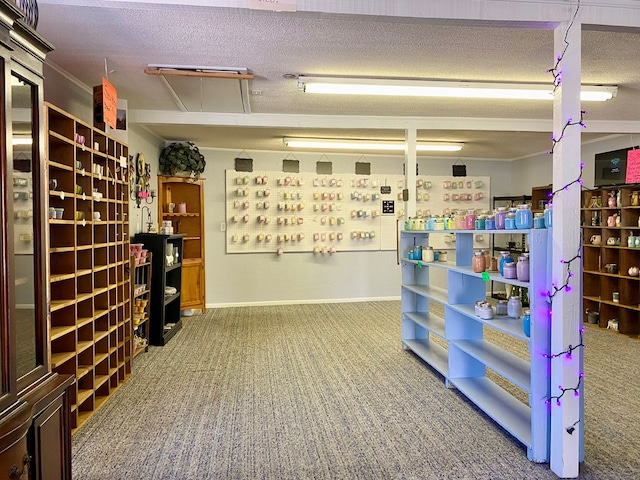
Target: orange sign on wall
[109, 103]
[105, 105]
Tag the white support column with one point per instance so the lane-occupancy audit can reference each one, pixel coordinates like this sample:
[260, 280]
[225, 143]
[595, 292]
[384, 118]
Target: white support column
[566, 318]
[410, 164]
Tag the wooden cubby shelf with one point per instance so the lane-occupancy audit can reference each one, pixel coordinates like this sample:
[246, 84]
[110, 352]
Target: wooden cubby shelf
[89, 277]
[609, 252]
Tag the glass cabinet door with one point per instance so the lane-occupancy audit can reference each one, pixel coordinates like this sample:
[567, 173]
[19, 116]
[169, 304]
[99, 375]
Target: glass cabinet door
[24, 184]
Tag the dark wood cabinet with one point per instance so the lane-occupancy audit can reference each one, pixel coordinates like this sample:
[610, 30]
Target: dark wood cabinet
[166, 283]
[34, 401]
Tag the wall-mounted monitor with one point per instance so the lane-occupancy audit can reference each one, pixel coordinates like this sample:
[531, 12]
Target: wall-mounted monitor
[611, 167]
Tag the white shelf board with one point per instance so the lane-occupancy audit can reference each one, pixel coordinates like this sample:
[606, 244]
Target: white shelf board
[428, 291]
[431, 322]
[432, 353]
[493, 276]
[513, 368]
[509, 325]
[507, 411]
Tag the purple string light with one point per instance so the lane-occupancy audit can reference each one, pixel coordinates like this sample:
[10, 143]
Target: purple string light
[557, 81]
[569, 123]
[557, 74]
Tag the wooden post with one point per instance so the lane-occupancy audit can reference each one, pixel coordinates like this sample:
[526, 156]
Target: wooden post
[566, 318]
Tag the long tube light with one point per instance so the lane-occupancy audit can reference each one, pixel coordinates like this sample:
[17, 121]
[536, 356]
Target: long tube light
[422, 88]
[343, 144]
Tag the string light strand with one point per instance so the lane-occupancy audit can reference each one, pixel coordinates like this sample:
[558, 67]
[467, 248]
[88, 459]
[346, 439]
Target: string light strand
[555, 71]
[570, 122]
[569, 350]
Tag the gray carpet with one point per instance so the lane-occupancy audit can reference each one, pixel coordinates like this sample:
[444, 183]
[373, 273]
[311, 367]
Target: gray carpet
[326, 392]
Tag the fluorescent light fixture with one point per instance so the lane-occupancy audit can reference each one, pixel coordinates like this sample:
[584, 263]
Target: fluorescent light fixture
[22, 141]
[389, 146]
[425, 88]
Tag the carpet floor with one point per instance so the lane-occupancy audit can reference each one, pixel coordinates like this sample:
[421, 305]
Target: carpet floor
[326, 392]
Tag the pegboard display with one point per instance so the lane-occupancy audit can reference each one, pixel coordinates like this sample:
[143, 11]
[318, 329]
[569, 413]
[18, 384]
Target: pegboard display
[23, 213]
[325, 214]
[442, 195]
[307, 212]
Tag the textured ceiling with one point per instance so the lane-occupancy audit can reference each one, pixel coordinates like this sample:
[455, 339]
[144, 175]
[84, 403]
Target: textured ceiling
[272, 45]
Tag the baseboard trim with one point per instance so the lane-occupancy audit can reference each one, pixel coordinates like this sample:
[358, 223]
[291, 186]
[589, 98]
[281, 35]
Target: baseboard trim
[302, 302]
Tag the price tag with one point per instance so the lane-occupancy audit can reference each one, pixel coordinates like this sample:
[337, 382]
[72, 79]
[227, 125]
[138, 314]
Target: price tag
[419, 264]
[84, 196]
[61, 195]
[485, 276]
[84, 222]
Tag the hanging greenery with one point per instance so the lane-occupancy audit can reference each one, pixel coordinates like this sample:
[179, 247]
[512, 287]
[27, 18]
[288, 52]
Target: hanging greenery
[182, 157]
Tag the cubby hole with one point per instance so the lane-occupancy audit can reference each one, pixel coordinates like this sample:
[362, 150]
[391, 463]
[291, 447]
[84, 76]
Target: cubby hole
[112, 212]
[112, 233]
[84, 157]
[112, 256]
[65, 317]
[610, 256]
[629, 257]
[63, 180]
[83, 181]
[103, 391]
[113, 276]
[113, 321]
[629, 293]
[61, 236]
[85, 405]
[62, 263]
[101, 326]
[85, 383]
[100, 257]
[85, 311]
[84, 235]
[61, 152]
[629, 322]
[84, 282]
[101, 301]
[608, 286]
[60, 124]
[100, 206]
[100, 234]
[101, 140]
[65, 343]
[591, 285]
[84, 260]
[85, 337]
[591, 258]
[64, 290]
[100, 186]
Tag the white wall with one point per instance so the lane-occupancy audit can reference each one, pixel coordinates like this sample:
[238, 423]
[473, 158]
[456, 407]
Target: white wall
[538, 170]
[303, 277]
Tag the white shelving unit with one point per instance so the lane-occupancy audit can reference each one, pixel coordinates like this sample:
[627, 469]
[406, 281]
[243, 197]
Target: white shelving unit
[455, 344]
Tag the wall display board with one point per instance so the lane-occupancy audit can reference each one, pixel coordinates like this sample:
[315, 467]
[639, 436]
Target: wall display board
[325, 214]
[23, 212]
[443, 195]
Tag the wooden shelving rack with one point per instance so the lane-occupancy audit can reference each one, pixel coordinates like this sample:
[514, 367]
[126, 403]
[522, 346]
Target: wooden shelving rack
[189, 191]
[613, 248]
[90, 289]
